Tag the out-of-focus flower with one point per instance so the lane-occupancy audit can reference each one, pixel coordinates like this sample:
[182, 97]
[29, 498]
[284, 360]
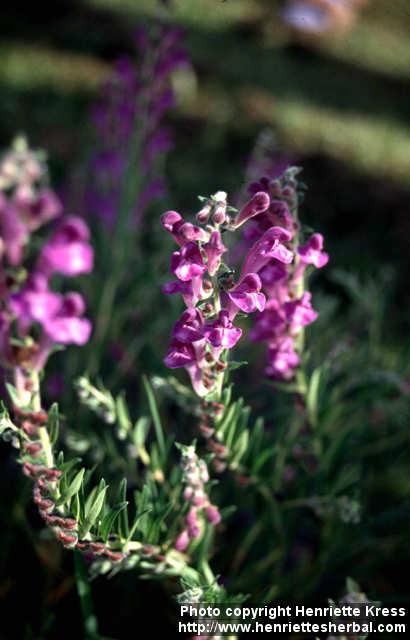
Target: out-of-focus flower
[132, 139]
[68, 251]
[195, 476]
[26, 202]
[42, 316]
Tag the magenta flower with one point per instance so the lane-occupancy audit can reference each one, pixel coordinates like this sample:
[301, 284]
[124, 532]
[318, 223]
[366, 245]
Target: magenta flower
[288, 309]
[283, 360]
[13, 233]
[68, 251]
[312, 252]
[267, 248]
[270, 324]
[221, 333]
[214, 250]
[66, 326]
[58, 315]
[212, 514]
[182, 231]
[300, 313]
[187, 263]
[37, 210]
[190, 327]
[246, 295]
[182, 541]
[256, 205]
[34, 303]
[180, 354]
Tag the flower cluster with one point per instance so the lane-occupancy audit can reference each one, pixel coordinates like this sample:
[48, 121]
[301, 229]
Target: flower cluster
[288, 308]
[205, 332]
[26, 299]
[195, 476]
[128, 120]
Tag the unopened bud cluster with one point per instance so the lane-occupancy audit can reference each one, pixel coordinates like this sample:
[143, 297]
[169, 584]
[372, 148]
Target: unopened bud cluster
[195, 476]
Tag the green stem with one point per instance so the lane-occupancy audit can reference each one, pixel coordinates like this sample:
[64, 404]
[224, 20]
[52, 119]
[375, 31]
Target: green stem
[84, 593]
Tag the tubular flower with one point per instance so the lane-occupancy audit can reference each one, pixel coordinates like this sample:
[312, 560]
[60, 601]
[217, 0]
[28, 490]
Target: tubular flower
[203, 336]
[26, 296]
[288, 309]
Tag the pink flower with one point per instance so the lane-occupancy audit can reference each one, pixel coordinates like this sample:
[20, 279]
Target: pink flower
[282, 360]
[246, 295]
[13, 233]
[267, 248]
[222, 333]
[214, 249]
[66, 326]
[39, 209]
[212, 514]
[180, 354]
[190, 327]
[182, 231]
[256, 205]
[187, 263]
[300, 313]
[68, 251]
[270, 323]
[58, 315]
[312, 252]
[182, 541]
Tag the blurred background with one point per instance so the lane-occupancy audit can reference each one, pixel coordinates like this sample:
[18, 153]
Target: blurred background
[329, 87]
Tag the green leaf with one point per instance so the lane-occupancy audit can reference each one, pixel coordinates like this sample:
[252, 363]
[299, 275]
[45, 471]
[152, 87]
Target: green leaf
[233, 364]
[14, 397]
[123, 524]
[123, 416]
[73, 488]
[155, 417]
[140, 432]
[93, 508]
[53, 423]
[109, 520]
[312, 398]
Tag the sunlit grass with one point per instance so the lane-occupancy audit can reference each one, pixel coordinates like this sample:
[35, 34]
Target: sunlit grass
[374, 47]
[32, 66]
[373, 144]
[215, 14]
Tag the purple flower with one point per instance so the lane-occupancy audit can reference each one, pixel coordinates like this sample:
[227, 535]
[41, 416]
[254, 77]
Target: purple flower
[182, 541]
[282, 360]
[190, 327]
[221, 332]
[270, 323]
[13, 233]
[181, 231]
[212, 514]
[66, 326]
[180, 354]
[58, 315]
[214, 249]
[256, 205]
[68, 250]
[34, 303]
[187, 263]
[246, 295]
[191, 292]
[312, 251]
[36, 210]
[300, 313]
[267, 248]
